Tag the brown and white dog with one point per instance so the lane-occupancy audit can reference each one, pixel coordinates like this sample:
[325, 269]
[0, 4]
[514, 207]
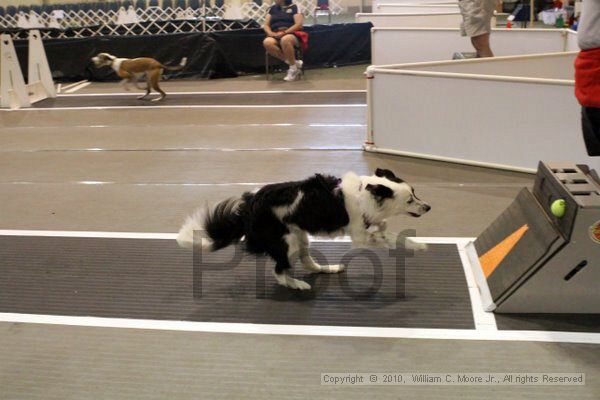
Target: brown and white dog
[132, 69]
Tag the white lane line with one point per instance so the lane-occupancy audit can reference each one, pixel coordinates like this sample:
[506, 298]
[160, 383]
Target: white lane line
[221, 93]
[175, 149]
[191, 106]
[208, 184]
[158, 184]
[76, 88]
[70, 85]
[306, 330]
[199, 125]
[483, 320]
[89, 234]
[172, 236]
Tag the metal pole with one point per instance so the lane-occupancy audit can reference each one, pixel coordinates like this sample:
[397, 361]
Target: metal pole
[531, 13]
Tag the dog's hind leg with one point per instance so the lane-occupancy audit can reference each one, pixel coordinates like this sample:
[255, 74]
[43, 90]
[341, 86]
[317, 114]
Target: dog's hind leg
[308, 262]
[154, 79]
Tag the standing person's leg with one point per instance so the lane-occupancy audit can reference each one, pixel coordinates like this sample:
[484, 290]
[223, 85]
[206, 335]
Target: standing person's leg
[477, 18]
[481, 44]
[590, 123]
[272, 47]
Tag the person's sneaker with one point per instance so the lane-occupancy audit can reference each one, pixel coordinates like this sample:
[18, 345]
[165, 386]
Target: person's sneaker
[291, 74]
[299, 64]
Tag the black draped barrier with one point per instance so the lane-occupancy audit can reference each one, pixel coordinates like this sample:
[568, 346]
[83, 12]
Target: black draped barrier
[210, 55]
[328, 46]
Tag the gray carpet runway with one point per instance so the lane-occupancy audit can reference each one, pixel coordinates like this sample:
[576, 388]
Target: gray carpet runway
[154, 279]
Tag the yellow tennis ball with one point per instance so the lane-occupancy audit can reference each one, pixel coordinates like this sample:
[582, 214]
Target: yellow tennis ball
[558, 208]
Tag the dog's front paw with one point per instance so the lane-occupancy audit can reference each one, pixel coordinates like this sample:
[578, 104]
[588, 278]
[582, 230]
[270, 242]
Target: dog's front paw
[292, 283]
[298, 284]
[416, 246]
[333, 269]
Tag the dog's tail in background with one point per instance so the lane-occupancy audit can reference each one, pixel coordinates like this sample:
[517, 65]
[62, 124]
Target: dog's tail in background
[176, 67]
[223, 225]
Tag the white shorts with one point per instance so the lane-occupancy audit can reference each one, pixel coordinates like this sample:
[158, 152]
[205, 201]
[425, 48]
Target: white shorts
[477, 16]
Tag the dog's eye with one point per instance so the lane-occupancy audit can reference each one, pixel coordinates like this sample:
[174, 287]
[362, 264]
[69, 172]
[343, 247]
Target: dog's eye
[410, 201]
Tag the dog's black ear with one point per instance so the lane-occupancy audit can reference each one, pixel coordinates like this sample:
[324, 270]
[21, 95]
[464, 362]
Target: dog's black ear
[382, 173]
[380, 192]
[387, 174]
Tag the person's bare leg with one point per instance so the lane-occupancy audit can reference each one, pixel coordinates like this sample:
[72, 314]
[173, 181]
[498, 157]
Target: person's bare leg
[287, 45]
[272, 48]
[481, 44]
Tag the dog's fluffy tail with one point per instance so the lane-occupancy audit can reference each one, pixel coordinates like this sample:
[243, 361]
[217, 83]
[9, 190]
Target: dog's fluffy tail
[222, 226]
[176, 67]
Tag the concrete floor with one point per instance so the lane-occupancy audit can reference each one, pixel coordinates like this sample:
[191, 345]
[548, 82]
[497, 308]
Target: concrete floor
[143, 170]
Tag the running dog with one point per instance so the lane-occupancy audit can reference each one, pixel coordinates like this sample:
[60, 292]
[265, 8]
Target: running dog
[132, 69]
[276, 219]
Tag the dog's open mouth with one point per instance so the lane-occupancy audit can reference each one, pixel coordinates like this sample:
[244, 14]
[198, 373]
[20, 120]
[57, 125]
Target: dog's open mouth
[412, 214]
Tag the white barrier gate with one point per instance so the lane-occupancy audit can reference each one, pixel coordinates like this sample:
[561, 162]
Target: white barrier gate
[15, 94]
[409, 45]
[39, 78]
[412, 20]
[414, 8]
[449, 111]
[12, 84]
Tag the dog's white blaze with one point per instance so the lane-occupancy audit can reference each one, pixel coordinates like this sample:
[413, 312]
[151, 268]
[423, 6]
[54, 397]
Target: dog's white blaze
[283, 211]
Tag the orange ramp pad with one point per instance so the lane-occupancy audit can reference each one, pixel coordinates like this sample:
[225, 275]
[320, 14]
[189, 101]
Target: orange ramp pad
[493, 257]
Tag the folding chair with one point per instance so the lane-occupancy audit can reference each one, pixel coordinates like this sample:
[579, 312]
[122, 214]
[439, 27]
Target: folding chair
[322, 9]
[140, 4]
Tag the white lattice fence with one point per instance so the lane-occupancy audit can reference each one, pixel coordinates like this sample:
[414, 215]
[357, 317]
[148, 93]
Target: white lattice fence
[89, 19]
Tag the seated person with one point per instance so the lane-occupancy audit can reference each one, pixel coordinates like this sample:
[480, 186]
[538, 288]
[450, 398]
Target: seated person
[283, 19]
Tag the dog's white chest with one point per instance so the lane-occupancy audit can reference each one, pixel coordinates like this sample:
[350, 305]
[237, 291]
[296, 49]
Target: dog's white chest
[116, 64]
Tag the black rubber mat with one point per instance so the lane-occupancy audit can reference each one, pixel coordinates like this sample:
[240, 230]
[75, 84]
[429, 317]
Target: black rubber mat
[154, 279]
[549, 322]
[206, 99]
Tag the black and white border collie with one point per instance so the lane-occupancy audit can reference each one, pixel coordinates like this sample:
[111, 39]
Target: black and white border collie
[276, 219]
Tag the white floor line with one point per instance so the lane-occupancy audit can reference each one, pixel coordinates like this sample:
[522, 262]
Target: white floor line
[221, 92]
[191, 106]
[70, 85]
[76, 88]
[172, 236]
[483, 320]
[306, 330]
[89, 234]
